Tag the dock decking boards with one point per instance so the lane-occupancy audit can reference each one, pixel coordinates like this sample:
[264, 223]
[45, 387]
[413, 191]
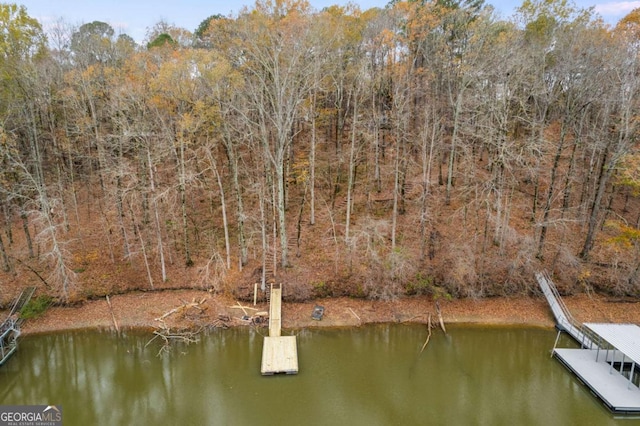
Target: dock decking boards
[279, 353]
[275, 310]
[606, 382]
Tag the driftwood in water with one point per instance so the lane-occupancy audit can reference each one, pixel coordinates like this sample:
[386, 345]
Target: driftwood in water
[115, 323]
[428, 336]
[440, 317]
[169, 337]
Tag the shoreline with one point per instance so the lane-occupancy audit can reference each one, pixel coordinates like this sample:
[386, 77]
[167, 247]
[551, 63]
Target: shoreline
[194, 308]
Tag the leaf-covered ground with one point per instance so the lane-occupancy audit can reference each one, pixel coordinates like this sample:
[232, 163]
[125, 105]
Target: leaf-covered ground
[142, 310]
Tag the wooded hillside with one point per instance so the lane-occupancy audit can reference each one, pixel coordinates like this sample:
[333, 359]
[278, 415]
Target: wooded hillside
[423, 148]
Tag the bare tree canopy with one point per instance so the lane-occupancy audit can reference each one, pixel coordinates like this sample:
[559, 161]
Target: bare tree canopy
[420, 148]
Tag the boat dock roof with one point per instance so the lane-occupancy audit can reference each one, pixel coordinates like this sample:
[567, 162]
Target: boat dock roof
[623, 337]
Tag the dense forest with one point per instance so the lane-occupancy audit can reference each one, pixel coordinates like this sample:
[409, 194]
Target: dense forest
[428, 147]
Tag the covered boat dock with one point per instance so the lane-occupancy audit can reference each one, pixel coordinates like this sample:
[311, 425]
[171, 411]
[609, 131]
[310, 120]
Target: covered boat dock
[608, 361]
[611, 370]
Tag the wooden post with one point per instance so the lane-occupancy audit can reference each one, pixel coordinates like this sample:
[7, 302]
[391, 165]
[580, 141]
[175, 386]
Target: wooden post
[255, 294]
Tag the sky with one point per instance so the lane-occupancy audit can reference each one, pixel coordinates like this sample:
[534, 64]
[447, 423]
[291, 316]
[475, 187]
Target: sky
[133, 17]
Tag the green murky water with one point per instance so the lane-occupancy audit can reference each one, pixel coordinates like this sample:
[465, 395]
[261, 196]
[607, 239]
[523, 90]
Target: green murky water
[363, 376]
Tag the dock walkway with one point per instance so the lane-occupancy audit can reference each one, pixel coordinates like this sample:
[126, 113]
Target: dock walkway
[564, 320]
[275, 312]
[279, 353]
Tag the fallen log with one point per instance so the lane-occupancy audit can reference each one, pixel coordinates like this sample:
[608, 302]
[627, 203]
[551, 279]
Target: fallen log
[411, 319]
[440, 317]
[244, 308]
[355, 315]
[113, 317]
[429, 335]
[186, 305]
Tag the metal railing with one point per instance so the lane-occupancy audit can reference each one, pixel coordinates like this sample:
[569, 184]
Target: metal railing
[9, 332]
[20, 301]
[565, 320]
[10, 327]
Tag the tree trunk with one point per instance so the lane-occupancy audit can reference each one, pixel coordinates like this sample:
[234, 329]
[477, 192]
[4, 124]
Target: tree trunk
[281, 207]
[550, 193]
[49, 233]
[396, 190]
[605, 173]
[426, 178]
[183, 205]
[63, 205]
[224, 210]
[27, 234]
[312, 164]
[452, 153]
[240, 214]
[350, 177]
[123, 231]
[263, 235]
[6, 265]
[8, 221]
[156, 215]
[376, 145]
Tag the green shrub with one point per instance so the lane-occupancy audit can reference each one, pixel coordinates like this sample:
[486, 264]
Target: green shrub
[423, 284]
[320, 289]
[36, 307]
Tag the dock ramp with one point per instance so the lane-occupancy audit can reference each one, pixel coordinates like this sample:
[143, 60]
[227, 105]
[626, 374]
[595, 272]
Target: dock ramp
[564, 320]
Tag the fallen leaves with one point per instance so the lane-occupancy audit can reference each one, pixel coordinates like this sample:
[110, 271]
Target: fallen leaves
[141, 310]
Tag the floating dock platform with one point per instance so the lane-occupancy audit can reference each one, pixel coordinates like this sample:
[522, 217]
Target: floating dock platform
[279, 353]
[597, 372]
[608, 362]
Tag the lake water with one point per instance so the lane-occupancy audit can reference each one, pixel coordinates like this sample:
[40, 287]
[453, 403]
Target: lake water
[372, 375]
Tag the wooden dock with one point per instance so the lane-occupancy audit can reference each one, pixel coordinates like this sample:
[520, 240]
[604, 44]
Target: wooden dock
[279, 353]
